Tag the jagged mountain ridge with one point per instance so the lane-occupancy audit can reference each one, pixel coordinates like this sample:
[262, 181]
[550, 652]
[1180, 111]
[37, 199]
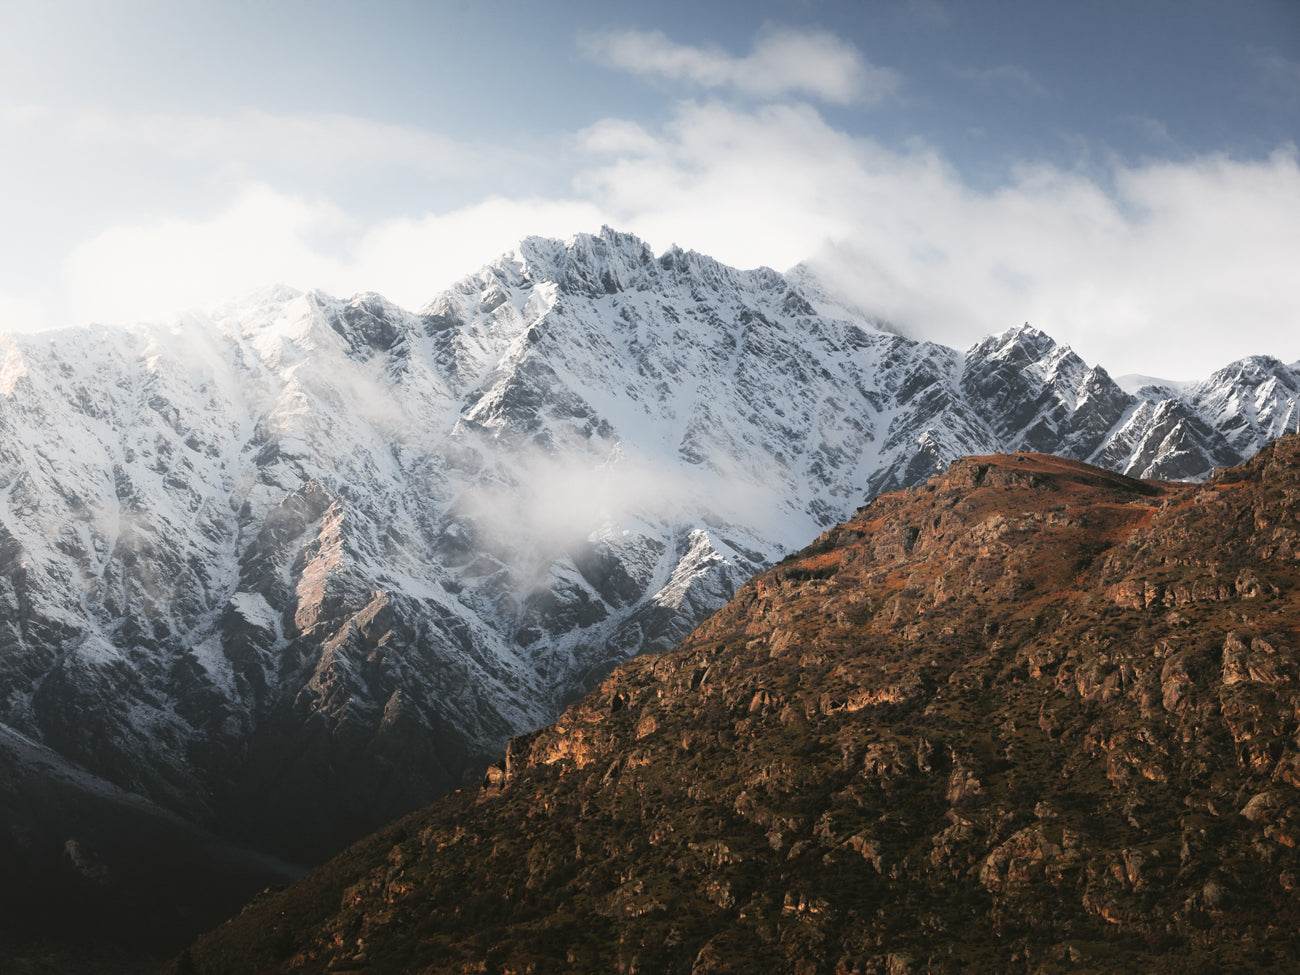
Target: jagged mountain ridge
[298, 564]
[1030, 716]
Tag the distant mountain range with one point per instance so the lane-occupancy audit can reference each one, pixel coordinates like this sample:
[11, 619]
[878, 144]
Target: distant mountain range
[1030, 716]
[297, 565]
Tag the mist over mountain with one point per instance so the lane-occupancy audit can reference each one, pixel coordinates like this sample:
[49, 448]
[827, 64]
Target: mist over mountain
[296, 565]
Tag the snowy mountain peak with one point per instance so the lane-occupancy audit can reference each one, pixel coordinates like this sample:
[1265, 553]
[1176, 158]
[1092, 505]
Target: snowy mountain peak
[368, 323]
[594, 264]
[1254, 371]
[611, 262]
[1020, 343]
[301, 561]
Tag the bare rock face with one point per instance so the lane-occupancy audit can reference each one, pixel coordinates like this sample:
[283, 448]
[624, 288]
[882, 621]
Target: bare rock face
[1021, 717]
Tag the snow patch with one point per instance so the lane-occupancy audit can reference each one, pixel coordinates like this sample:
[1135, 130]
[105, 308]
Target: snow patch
[256, 610]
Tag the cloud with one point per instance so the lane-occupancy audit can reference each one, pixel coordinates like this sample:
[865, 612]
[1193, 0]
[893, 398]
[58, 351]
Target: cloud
[808, 63]
[540, 506]
[1006, 77]
[751, 188]
[1168, 268]
[151, 269]
[410, 260]
[1162, 268]
[22, 314]
[760, 188]
[1182, 269]
[183, 209]
[251, 138]
[614, 136]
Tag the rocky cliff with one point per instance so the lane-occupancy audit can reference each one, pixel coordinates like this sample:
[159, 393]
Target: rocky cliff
[1031, 715]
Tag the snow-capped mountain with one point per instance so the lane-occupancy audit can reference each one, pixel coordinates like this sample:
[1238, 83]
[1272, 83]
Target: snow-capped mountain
[295, 565]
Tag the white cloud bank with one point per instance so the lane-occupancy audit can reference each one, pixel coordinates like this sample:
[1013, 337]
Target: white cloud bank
[1166, 268]
[1163, 268]
[808, 63]
[149, 270]
[1170, 269]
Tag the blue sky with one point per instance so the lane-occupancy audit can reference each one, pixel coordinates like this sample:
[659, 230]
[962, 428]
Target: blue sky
[1123, 175]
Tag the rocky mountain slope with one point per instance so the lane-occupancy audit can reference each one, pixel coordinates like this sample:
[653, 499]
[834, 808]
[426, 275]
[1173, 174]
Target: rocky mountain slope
[1032, 715]
[297, 565]
[97, 880]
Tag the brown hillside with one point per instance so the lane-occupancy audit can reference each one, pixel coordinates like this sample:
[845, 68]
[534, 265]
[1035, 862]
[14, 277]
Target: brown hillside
[1032, 716]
